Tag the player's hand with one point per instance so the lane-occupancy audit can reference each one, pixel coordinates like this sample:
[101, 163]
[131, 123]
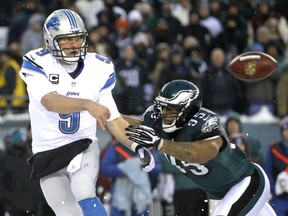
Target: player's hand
[100, 113]
[144, 136]
[146, 158]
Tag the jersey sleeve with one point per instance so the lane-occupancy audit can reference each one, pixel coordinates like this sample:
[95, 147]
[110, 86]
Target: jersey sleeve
[31, 67]
[109, 84]
[204, 126]
[37, 87]
[106, 97]
[108, 101]
[35, 78]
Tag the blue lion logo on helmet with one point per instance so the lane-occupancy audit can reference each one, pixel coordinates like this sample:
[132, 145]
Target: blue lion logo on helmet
[53, 23]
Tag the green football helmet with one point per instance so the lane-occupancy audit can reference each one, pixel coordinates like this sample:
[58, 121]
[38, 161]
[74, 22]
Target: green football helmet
[181, 95]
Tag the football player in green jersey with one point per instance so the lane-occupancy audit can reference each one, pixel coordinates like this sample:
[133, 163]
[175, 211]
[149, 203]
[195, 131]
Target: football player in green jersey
[193, 140]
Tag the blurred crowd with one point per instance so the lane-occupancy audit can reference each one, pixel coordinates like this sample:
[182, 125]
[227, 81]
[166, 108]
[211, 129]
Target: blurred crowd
[152, 42]
[18, 195]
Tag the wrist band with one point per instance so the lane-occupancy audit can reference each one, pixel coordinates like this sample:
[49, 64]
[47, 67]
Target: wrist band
[159, 146]
[135, 146]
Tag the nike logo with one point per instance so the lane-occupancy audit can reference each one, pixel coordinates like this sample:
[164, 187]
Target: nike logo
[32, 58]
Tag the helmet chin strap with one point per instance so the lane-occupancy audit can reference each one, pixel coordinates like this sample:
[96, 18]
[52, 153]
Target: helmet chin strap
[170, 128]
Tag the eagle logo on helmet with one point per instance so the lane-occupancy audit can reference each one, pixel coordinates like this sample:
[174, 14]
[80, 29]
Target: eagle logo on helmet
[210, 124]
[194, 93]
[53, 23]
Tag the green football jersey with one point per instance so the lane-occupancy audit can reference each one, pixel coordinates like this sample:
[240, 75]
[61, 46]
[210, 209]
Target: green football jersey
[218, 175]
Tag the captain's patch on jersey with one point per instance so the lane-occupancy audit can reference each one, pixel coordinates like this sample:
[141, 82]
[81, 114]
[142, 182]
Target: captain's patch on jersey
[210, 124]
[54, 78]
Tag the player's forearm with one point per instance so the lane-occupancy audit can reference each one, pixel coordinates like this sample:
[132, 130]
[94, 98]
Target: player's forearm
[130, 120]
[192, 152]
[61, 104]
[117, 128]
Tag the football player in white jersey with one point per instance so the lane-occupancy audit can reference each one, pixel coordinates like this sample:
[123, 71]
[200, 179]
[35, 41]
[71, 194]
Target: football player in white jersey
[69, 96]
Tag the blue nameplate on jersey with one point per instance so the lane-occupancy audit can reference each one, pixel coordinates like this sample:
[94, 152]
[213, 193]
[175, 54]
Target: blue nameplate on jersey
[72, 93]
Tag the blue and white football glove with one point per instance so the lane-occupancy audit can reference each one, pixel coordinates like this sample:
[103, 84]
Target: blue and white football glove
[144, 136]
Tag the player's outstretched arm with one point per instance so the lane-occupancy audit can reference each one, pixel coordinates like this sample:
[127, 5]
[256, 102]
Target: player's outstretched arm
[131, 120]
[61, 104]
[117, 128]
[200, 151]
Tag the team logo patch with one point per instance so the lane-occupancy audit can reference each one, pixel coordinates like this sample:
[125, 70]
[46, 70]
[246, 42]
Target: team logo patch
[53, 23]
[73, 84]
[210, 124]
[54, 78]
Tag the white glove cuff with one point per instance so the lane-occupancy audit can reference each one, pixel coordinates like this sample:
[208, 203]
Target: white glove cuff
[160, 144]
[134, 146]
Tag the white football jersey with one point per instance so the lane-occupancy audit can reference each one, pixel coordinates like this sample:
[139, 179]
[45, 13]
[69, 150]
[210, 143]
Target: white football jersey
[43, 74]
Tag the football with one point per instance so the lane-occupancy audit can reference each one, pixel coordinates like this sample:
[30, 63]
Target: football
[252, 66]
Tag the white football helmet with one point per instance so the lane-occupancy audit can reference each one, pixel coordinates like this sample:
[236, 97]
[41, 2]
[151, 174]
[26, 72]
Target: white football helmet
[64, 23]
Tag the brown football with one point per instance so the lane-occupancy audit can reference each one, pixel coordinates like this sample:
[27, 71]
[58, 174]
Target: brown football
[252, 66]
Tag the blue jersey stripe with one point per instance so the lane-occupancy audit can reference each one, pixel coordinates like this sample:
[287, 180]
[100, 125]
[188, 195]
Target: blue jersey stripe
[28, 65]
[71, 18]
[111, 80]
